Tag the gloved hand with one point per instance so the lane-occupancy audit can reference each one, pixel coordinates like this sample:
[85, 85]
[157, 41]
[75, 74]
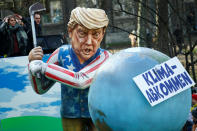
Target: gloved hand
[37, 66]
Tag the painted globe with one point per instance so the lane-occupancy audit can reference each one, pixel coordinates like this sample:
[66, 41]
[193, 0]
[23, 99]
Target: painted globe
[117, 104]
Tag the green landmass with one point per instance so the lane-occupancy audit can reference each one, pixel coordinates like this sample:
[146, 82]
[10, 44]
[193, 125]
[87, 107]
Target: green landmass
[31, 123]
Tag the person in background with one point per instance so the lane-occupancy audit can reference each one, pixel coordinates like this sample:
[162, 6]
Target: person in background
[28, 28]
[194, 116]
[1, 21]
[1, 43]
[194, 101]
[133, 38]
[191, 121]
[14, 37]
[74, 66]
[37, 19]
[149, 38]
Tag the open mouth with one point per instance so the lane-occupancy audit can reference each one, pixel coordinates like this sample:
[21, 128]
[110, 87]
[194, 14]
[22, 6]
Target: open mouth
[87, 51]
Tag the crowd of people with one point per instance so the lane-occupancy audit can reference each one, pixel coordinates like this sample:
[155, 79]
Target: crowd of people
[16, 35]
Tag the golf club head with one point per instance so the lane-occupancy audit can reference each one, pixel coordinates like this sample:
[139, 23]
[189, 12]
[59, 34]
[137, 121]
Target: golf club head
[36, 8]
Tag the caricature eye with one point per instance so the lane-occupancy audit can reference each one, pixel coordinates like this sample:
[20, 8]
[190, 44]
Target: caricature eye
[96, 35]
[82, 33]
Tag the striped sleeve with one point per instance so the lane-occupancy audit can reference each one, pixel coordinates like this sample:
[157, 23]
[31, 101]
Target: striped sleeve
[40, 83]
[81, 79]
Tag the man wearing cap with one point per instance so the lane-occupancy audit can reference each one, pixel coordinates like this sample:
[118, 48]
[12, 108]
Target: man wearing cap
[74, 66]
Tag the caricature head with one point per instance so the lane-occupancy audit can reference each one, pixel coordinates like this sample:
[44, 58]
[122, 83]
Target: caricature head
[86, 29]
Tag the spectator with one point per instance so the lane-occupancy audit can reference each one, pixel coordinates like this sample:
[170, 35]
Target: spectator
[194, 116]
[191, 121]
[14, 37]
[74, 65]
[38, 28]
[28, 28]
[149, 38]
[133, 38]
[1, 43]
[1, 22]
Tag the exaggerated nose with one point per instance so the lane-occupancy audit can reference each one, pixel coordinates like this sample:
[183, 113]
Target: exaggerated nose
[89, 39]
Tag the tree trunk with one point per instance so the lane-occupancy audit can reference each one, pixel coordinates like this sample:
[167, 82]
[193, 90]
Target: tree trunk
[141, 25]
[163, 40]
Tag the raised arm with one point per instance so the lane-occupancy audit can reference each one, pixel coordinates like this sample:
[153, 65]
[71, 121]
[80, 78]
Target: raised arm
[39, 82]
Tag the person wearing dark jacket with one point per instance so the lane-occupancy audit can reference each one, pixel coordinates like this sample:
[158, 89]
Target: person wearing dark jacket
[28, 28]
[1, 42]
[14, 40]
[1, 21]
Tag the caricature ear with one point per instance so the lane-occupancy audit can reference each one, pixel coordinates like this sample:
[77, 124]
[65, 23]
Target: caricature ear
[70, 32]
[104, 29]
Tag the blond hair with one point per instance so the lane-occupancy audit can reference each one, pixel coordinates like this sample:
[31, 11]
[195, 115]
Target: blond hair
[91, 18]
